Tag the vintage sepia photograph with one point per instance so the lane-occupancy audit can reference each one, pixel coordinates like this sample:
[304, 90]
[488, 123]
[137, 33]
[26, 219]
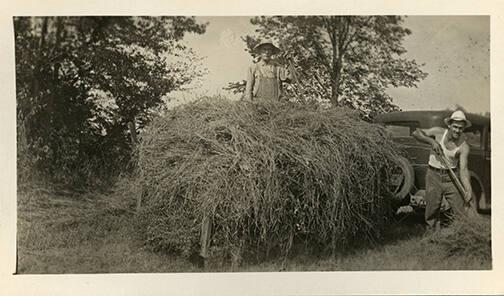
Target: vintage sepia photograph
[266, 143]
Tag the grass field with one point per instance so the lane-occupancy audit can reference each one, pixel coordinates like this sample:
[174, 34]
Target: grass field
[66, 232]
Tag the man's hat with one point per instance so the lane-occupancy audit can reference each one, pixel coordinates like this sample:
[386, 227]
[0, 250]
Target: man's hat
[266, 45]
[457, 116]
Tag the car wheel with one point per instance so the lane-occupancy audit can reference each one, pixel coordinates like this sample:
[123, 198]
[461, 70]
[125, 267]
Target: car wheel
[401, 179]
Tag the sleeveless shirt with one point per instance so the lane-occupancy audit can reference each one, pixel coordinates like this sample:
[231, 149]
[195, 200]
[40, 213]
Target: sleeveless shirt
[451, 156]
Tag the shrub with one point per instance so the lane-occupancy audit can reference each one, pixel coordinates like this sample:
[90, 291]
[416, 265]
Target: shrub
[265, 173]
[69, 158]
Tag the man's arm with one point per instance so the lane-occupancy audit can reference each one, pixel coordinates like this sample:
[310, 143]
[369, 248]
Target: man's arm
[464, 171]
[428, 136]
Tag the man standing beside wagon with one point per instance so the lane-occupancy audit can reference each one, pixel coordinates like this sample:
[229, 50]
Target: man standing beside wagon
[449, 151]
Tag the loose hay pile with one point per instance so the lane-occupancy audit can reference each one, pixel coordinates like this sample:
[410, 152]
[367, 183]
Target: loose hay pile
[265, 173]
[468, 236]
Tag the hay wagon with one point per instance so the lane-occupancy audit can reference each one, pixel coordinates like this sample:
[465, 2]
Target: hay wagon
[258, 175]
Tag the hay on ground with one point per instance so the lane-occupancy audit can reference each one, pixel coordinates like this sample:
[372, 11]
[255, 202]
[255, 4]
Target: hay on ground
[468, 236]
[265, 173]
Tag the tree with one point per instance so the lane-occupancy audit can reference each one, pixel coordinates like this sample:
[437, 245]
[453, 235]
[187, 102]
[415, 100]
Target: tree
[345, 60]
[81, 80]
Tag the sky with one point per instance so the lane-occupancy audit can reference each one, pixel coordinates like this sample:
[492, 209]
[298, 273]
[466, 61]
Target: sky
[455, 51]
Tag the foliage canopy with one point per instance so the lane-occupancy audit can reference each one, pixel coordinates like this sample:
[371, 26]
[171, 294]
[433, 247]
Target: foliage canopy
[80, 80]
[343, 60]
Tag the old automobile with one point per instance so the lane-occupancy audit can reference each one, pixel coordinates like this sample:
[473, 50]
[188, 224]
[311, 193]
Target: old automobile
[408, 179]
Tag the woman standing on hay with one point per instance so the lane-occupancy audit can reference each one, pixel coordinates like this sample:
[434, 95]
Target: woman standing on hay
[264, 78]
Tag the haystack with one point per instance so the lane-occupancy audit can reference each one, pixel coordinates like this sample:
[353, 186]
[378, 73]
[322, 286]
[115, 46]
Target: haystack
[265, 173]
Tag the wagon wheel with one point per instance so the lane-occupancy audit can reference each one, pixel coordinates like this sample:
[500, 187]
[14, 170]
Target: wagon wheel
[401, 178]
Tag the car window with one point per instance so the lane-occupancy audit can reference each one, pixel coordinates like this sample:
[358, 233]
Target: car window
[402, 128]
[489, 144]
[474, 138]
[398, 131]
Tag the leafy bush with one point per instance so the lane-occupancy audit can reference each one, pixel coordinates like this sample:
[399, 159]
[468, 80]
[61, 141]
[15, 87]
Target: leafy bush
[71, 158]
[81, 79]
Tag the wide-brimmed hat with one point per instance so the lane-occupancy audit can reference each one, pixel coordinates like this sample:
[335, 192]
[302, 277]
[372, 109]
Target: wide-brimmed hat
[266, 44]
[458, 116]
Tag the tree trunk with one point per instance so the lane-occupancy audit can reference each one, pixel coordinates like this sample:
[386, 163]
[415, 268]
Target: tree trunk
[132, 130]
[338, 30]
[332, 28]
[335, 81]
[45, 23]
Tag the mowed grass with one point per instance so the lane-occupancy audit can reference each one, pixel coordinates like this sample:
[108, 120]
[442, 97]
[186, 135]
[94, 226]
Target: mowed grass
[65, 232]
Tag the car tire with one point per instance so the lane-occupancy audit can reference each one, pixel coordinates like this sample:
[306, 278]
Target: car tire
[402, 179]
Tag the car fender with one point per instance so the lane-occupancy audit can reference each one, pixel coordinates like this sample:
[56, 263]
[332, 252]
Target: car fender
[482, 197]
